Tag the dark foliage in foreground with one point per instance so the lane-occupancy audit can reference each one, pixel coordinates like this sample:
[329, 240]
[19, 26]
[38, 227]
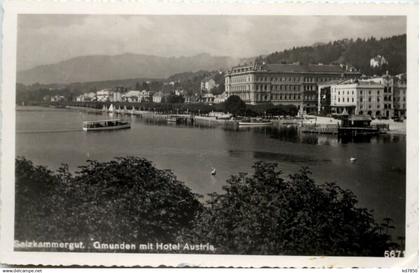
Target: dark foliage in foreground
[129, 200]
[126, 199]
[267, 214]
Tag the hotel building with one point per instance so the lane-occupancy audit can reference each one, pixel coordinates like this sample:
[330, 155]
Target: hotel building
[285, 84]
[400, 93]
[361, 97]
[379, 97]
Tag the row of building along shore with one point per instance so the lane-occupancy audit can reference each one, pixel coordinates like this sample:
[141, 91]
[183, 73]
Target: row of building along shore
[313, 89]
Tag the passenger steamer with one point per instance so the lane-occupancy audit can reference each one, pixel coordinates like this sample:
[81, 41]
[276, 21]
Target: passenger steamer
[105, 125]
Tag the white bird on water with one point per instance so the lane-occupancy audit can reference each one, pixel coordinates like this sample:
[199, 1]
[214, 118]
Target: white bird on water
[352, 159]
[213, 171]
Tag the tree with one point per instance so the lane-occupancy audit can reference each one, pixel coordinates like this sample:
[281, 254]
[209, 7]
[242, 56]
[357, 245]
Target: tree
[123, 200]
[145, 86]
[235, 105]
[267, 213]
[129, 200]
[218, 89]
[174, 99]
[34, 186]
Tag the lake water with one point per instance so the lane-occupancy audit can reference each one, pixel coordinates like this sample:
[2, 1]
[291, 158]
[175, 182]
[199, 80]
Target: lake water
[54, 136]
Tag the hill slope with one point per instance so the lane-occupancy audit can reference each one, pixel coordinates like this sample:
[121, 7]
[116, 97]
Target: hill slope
[125, 66]
[354, 52]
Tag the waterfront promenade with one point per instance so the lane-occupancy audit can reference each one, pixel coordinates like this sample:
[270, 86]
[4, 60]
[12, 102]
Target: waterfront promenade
[307, 123]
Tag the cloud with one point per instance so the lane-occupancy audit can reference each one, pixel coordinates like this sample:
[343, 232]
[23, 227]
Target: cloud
[44, 39]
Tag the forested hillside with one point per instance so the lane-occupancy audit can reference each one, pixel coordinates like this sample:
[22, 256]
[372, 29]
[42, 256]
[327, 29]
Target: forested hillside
[348, 51]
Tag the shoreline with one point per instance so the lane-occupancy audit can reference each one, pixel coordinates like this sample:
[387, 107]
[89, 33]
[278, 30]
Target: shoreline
[321, 125]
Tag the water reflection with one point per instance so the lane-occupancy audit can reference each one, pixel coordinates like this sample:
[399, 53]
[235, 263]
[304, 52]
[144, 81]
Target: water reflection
[273, 156]
[294, 135]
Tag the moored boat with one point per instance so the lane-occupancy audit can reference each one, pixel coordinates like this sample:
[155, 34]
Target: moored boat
[254, 122]
[105, 125]
[171, 119]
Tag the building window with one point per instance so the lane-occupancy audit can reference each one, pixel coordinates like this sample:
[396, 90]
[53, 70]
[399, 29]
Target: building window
[361, 99]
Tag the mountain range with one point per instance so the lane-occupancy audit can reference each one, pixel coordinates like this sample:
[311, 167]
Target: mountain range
[123, 66]
[94, 68]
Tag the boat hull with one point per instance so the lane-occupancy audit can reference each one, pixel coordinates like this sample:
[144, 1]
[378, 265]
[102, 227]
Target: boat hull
[109, 128]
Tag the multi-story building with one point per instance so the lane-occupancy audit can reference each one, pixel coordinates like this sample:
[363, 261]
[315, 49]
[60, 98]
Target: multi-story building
[157, 97]
[378, 61]
[400, 93]
[324, 96]
[104, 95]
[283, 83]
[362, 97]
[136, 96]
[383, 97]
[208, 98]
[207, 84]
[117, 96]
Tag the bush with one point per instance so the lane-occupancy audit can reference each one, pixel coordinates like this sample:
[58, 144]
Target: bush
[126, 199]
[129, 200]
[235, 105]
[268, 214]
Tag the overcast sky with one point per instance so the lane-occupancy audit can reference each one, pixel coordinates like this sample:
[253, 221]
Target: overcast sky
[45, 39]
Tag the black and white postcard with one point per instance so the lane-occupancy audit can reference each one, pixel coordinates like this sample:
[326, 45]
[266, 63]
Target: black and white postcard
[209, 134]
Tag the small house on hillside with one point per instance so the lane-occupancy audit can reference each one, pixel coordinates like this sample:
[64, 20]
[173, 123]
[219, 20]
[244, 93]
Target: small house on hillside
[157, 97]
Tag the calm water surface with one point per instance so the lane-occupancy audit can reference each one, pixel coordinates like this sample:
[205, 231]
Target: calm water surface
[54, 136]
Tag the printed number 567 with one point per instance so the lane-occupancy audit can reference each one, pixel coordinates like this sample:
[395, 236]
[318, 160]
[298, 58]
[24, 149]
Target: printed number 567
[392, 253]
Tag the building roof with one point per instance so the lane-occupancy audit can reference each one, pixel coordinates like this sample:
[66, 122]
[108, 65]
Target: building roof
[333, 82]
[309, 68]
[208, 95]
[358, 82]
[208, 78]
[132, 93]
